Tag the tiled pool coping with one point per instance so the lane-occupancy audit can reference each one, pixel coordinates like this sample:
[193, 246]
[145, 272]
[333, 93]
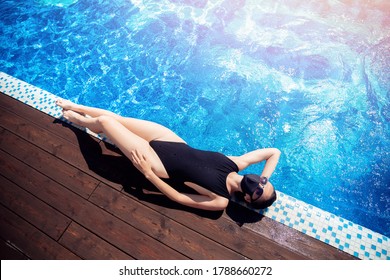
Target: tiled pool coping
[345, 235]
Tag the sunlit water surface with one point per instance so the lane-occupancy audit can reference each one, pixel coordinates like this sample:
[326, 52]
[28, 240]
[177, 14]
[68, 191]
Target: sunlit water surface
[309, 77]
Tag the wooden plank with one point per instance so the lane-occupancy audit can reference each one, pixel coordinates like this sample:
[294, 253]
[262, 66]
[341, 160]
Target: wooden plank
[106, 226]
[89, 159]
[89, 246]
[171, 233]
[51, 166]
[55, 126]
[297, 241]
[37, 117]
[32, 209]
[29, 240]
[40, 137]
[224, 231]
[9, 252]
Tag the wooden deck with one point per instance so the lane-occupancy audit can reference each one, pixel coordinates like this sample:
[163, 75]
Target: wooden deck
[67, 195]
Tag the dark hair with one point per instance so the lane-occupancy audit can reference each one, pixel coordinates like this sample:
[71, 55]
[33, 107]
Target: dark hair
[262, 203]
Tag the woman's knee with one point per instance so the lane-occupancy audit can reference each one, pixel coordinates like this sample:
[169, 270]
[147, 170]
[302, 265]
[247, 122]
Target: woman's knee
[104, 120]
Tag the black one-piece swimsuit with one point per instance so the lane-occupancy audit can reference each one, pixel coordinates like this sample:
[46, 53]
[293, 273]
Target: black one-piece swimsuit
[186, 164]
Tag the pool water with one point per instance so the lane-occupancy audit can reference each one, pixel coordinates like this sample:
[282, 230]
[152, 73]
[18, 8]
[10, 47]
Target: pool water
[309, 78]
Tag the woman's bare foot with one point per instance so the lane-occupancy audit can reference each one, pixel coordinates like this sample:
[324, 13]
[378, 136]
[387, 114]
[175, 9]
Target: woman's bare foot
[69, 105]
[72, 116]
[82, 120]
[66, 104]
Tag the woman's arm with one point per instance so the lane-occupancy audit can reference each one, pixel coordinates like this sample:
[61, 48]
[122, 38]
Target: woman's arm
[200, 201]
[270, 155]
[204, 201]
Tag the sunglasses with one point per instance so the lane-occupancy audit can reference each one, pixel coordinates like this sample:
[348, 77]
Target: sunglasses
[260, 189]
[257, 193]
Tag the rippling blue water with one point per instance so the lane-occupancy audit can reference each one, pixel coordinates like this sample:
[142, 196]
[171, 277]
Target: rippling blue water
[309, 78]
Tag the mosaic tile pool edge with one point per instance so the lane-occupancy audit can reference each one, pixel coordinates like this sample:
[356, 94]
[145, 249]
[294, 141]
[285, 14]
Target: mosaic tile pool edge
[345, 235]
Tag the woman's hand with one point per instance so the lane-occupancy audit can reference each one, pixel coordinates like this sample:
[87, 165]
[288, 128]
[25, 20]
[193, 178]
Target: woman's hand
[140, 162]
[202, 201]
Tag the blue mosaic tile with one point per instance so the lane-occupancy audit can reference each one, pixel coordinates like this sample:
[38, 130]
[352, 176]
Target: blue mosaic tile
[333, 230]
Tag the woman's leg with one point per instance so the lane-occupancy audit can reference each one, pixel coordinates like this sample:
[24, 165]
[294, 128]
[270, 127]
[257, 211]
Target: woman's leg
[85, 110]
[145, 129]
[123, 138]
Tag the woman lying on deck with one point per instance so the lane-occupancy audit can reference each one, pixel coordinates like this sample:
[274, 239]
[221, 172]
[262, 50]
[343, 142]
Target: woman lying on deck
[159, 153]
